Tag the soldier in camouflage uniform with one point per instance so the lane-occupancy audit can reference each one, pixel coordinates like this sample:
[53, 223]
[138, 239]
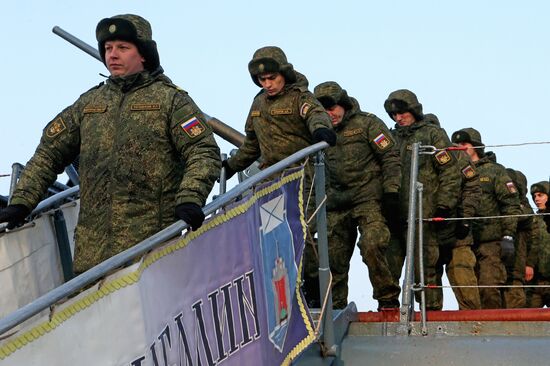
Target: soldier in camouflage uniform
[526, 235]
[147, 155]
[493, 238]
[455, 240]
[284, 118]
[439, 175]
[364, 176]
[538, 262]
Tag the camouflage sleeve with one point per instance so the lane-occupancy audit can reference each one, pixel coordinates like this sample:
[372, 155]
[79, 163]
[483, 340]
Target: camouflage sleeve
[194, 141]
[533, 242]
[508, 201]
[387, 153]
[313, 112]
[59, 146]
[447, 170]
[249, 151]
[471, 190]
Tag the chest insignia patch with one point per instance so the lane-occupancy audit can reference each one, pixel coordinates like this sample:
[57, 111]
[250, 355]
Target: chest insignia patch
[442, 157]
[56, 127]
[382, 141]
[511, 187]
[353, 132]
[193, 127]
[94, 109]
[304, 109]
[469, 172]
[255, 114]
[145, 107]
[484, 179]
[280, 111]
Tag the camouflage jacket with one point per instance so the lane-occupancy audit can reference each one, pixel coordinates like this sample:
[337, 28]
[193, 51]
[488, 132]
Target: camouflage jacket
[470, 191]
[499, 197]
[144, 147]
[438, 172]
[541, 251]
[364, 163]
[280, 125]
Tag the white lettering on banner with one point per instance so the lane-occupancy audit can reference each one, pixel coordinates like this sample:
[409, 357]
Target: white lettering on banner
[219, 317]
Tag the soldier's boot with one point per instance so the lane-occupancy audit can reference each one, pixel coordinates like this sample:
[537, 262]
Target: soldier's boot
[461, 272]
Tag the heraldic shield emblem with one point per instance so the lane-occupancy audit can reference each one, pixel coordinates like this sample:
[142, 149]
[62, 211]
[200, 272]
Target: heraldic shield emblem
[279, 267]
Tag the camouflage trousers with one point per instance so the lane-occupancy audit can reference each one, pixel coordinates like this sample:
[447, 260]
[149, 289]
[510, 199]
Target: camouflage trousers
[515, 297]
[460, 262]
[397, 251]
[490, 271]
[342, 228]
[539, 297]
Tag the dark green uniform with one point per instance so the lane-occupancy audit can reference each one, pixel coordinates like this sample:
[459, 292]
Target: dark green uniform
[278, 126]
[514, 297]
[363, 164]
[440, 177]
[499, 197]
[457, 254]
[144, 148]
[538, 255]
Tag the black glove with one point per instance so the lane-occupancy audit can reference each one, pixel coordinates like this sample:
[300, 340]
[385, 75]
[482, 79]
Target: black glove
[228, 171]
[443, 212]
[507, 251]
[390, 210]
[191, 213]
[325, 134]
[462, 230]
[14, 215]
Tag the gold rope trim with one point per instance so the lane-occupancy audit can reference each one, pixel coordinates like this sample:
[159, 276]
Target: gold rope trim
[310, 338]
[133, 277]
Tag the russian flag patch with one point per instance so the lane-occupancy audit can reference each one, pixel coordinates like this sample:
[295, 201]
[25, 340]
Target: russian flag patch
[193, 127]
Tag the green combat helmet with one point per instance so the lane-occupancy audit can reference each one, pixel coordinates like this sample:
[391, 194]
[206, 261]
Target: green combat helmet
[401, 101]
[271, 59]
[470, 135]
[131, 28]
[330, 93]
[540, 187]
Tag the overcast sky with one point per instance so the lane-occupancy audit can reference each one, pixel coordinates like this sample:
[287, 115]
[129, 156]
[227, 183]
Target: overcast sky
[482, 64]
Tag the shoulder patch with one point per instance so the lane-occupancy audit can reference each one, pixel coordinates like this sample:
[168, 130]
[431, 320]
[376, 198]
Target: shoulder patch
[304, 109]
[56, 127]
[353, 132]
[255, 114]
[511, 187]
[139, 107]
[442, 157]
[469, 172]
[382, 141]
[193, 127]
[280, 111]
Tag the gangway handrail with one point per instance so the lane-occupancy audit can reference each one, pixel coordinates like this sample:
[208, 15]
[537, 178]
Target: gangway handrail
[143, 247]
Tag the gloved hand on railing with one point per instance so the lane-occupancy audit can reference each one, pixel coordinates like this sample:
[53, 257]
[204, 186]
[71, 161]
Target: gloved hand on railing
[507, 251]
[191, 213]
[325, 134]
[228, 171]
[442, 212]
[14, 215]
